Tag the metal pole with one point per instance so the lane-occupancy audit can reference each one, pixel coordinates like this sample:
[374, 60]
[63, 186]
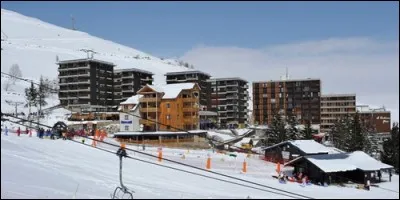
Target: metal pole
[156, 112]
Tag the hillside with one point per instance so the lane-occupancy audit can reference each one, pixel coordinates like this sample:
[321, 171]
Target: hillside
[32, 168]
[34, 46]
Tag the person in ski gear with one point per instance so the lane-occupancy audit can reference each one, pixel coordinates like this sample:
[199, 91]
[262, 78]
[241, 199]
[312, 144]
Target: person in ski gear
[390, 175]
[30, 133]
[19, 131]
[27, 131]
[6, 131]
[379, 175]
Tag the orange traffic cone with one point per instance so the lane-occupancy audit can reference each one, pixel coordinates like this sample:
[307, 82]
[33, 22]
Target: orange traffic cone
[208, 166]
[244, 166]
[122, 145]
[278, 167]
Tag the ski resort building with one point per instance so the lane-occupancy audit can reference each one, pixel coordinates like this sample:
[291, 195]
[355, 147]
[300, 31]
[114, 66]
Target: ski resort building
[128, 81]
[229, 98]
[130, 114]
[86, 84]
[198, 77]
[334, 107]
[378, 118]
[357, 167]
[171, 107]
[301, 97]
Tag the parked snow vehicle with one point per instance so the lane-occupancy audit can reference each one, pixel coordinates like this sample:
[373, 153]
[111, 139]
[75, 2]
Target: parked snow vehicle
[59, 128]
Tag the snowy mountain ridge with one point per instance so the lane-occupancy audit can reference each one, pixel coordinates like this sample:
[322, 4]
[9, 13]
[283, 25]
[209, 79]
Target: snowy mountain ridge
[34, 44]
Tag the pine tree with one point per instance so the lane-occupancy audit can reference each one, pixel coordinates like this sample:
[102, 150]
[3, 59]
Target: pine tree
[277, 132]
[390, 153]
[292, 132]
[42, 93]
[31, 95]
[339, 133]
[358, 134]
[307, 132]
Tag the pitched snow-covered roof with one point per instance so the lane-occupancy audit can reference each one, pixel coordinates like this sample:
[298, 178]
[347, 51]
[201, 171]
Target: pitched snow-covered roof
[171, 91]
[307, 146]
[132, 100]
[346, 162]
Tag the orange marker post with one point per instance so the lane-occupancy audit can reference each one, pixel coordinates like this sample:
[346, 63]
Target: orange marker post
[244, 166]
[159, 154]
[278, 167]
[208, 165]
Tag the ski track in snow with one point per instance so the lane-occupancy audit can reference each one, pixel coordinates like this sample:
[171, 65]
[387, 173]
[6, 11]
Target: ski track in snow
[43, 168]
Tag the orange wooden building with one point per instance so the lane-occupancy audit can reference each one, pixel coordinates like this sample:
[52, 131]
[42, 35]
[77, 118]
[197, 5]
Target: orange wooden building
[174, 106]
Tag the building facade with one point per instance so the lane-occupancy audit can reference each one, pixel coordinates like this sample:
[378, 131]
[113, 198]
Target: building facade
[128, 81]
[301, 97]
[172, 107]
[229, 98]
[378, 119]
[335, 107]
[193, 77]
[129, 115]
[86, 83]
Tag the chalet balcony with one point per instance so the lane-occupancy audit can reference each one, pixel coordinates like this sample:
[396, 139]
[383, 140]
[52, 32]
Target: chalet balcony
[150, 109]
[189, 109]
[193, 100]
[149, 99]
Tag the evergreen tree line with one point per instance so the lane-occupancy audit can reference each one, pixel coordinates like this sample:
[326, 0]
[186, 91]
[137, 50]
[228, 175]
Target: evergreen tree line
[390, 153]
[284, 128]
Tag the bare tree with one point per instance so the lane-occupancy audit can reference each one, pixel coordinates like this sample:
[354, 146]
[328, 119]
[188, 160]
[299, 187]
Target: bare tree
[15, 73]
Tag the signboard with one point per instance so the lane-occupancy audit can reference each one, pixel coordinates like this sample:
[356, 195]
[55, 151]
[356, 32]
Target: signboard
[126, 121]
[285, 155]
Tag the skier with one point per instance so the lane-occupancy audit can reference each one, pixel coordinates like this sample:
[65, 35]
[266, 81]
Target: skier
[19, 131]
[379, 175]
[6, 131]
[30, 133]
[27, 130]
[390, 175]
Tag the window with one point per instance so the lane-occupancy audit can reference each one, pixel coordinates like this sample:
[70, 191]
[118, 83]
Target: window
[126, 117]
[167, 105]
[265, 95]
[280, 95]
[127, 128]
[168, 117]
[272, 100]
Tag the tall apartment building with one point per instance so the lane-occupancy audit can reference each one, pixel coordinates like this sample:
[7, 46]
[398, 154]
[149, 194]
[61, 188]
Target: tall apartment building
[128, 81]
[379, 118]
[86, 83]
[174, 106]
[229, 98]
[301, 97]
[334, 107]
[193, 77]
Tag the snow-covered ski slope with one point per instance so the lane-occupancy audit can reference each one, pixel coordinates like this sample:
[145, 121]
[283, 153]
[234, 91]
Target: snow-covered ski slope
[34, 45]
[35, 168]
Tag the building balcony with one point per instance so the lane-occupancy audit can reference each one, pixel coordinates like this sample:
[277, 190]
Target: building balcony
[193, 100]
[73, 68]
[148, 99]
[191, 120]
[190, 109]
[232, 97]
[150, 109]
[74, 75]
[146, 79]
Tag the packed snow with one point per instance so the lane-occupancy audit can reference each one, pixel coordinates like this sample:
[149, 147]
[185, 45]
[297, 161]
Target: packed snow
[43, 168]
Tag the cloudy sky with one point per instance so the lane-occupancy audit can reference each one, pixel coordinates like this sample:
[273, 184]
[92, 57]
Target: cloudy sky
[353, 47]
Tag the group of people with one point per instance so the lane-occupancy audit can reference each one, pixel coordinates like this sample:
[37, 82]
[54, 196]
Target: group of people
[297, 177]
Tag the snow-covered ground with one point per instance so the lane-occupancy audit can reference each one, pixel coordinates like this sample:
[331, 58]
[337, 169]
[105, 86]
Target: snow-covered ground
[35, 168]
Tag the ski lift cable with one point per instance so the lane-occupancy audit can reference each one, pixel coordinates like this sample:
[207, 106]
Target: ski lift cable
[194, 173]
[176, 162]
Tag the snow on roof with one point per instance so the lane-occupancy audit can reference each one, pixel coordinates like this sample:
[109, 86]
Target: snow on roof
[207, 113]
[133, 70]
[132, 100]
[308, 146]
[346, 162]
[311, 147]
[171, 91]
